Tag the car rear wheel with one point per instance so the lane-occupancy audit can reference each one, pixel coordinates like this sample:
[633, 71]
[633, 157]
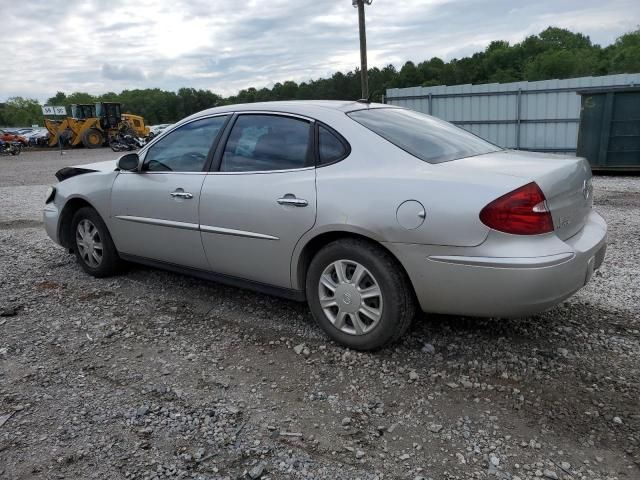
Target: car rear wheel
[92, 243]
[359, 295]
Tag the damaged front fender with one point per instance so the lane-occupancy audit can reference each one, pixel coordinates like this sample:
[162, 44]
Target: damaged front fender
[68, 172]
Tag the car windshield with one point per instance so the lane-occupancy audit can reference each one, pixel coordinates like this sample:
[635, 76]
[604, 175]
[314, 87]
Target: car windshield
[428, 138]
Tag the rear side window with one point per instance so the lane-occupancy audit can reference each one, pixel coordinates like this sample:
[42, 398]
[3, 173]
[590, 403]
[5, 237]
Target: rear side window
[267, 142]
[330, 147]
[186, 148]
[425, 137]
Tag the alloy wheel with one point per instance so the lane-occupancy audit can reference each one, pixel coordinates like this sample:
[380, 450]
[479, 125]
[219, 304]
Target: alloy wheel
[89, 243]
[350, 297]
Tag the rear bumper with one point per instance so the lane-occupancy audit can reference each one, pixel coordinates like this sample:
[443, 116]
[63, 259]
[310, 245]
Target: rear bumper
[510, 286]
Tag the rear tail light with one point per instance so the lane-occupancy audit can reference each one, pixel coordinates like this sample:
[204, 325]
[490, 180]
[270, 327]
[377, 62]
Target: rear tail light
[521, 212]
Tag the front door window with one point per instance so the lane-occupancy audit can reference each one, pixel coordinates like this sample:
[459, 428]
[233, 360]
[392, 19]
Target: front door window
[185, 149]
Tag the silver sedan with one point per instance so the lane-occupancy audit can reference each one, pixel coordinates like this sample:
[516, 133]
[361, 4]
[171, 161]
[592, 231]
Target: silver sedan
[368, 212]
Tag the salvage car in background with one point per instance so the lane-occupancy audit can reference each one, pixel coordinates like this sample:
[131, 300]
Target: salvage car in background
[368, 212]
[155, 130]
[8, 136]
[38, 137]
[20, 131]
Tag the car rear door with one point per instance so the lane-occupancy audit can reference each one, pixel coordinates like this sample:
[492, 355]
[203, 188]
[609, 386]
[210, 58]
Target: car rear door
[260, 197]
[155, 210]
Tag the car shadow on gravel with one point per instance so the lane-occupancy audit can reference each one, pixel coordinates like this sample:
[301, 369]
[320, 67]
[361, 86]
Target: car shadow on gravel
[518, 329]
[206, 297]
[205, 300]
[557, 327]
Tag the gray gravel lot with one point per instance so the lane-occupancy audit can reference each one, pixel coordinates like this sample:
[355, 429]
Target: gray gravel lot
[156, 375]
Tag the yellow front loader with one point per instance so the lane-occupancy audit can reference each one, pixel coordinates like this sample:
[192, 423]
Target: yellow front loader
[69, 130]
[93, 125]
[58, 130]
[136, 123]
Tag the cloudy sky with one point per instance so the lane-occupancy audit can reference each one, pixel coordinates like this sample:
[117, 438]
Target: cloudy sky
[225, 45]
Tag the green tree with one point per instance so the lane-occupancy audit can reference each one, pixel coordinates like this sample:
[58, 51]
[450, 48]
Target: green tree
[624, 55]
[502, 62]
[554, 38]
[58, 99]
[21, 112]
[409, 75]
[432, 71]
[563, 64]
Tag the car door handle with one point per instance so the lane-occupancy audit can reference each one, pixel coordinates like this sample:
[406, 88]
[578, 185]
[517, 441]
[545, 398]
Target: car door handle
[186, 195]
[292, 200]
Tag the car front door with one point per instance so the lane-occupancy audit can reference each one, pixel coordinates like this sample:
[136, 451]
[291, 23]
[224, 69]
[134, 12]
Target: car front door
[155, 211]
[260, 198]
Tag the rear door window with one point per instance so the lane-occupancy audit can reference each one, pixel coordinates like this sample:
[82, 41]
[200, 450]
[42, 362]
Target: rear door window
[267, 142]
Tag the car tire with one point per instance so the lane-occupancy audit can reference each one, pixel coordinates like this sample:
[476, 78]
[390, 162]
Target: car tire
[92, 244]
[362, 323]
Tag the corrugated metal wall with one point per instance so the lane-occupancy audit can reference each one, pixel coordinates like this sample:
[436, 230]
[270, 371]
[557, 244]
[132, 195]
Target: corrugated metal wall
[542, 116]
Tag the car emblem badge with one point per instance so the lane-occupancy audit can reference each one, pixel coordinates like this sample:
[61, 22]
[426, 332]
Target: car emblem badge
[346, 298]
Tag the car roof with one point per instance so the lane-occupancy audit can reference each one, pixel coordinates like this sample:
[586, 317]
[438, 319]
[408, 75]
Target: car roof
[294, 106]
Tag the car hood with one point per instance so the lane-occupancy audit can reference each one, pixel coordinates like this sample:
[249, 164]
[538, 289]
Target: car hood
[68, 172]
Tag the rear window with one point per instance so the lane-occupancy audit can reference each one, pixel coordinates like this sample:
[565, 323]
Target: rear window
[425, 137]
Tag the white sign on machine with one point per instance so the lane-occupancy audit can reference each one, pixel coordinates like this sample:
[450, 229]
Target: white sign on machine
[53, 110]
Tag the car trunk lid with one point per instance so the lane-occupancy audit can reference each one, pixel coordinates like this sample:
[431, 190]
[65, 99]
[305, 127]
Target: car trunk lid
[565, 182]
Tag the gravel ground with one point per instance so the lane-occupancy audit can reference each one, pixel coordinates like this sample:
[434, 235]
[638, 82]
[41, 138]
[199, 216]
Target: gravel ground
[155, 375]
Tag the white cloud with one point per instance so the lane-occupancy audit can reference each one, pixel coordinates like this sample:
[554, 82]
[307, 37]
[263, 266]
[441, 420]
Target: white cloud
[226, 45]
[122, 72]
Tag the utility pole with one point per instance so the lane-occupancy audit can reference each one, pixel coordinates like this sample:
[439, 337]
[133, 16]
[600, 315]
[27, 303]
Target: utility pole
[364, 73]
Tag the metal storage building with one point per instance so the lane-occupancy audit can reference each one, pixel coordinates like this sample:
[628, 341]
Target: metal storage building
[542, 116]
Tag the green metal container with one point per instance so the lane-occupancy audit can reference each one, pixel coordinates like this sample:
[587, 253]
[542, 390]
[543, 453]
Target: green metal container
[609, 134]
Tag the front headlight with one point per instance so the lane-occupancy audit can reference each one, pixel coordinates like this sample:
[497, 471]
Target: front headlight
[51, 194]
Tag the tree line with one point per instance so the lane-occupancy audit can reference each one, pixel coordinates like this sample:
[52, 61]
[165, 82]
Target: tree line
[553, 53]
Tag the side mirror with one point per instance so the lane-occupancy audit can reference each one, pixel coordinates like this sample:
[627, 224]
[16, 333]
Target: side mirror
[129, 162]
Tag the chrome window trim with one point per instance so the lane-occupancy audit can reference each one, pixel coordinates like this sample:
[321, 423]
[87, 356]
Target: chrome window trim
[262, 172]
[142, 154]
[275, 112]
[312, 126]
[161, 173]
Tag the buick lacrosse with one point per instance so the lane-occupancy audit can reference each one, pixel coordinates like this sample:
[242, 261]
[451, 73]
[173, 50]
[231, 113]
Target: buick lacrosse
[368, 212]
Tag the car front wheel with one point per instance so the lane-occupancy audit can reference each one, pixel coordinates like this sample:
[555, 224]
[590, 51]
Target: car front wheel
[359, 295]
[92, 244]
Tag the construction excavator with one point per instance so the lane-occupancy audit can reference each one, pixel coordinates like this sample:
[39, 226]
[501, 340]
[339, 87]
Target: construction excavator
[93, 125]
